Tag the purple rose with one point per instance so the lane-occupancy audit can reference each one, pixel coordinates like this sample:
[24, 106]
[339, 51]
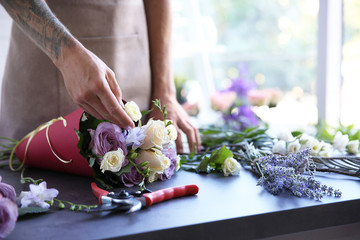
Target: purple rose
[7, 191]
[108, 137]
[170, 153]
[131, 178]
[8, 216]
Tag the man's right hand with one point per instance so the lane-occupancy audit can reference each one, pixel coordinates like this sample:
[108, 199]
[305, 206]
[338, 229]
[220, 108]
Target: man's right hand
[92, 85]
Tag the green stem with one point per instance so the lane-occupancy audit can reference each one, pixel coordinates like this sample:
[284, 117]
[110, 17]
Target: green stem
[137, 169]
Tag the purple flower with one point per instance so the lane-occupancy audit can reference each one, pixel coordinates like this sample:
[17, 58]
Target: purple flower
[285, 172]
[38, 195]
[8, 216]
[135, 137]
[241, 85]
[108, 137]
[242, 118]
[131, 178]
[7, 191]
[170, 153]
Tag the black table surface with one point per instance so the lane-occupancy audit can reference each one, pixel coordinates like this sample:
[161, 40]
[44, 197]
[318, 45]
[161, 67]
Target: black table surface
[233, 207]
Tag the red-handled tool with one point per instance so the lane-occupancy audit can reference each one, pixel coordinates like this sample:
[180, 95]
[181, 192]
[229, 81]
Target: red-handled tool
[127, 202]
[170, 193]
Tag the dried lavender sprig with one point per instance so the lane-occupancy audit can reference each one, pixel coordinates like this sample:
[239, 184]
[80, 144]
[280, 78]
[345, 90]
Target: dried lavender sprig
[279, 173]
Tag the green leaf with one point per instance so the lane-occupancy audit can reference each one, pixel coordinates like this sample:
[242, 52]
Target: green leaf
[296, 133]
[218, 157]
[209, 131]
[203, 166]
[145, 112]
[31, 210]
[92, 161]
[125, 169]
[192, 154]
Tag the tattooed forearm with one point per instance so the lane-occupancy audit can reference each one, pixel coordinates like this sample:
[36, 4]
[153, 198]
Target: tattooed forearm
[36, 19]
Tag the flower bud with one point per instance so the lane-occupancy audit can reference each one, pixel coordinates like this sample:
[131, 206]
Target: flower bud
[132, 109]
[353, 147]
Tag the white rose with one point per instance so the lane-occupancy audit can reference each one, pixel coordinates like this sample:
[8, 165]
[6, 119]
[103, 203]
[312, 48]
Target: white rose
[153, 176]
[156, 134]
[113, 161]
[132, 109]
[353, 147]
[325, 149]
[172, 132]
[230, 167]
[285, 136]
[157, 161]
[294, 146]
[340, 141]
[279, 147]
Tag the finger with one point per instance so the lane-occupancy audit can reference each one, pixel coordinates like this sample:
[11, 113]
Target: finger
[187, 128]
[178, 141]
[112, 108]
[198, 139]
[91, 111]
[114, 86]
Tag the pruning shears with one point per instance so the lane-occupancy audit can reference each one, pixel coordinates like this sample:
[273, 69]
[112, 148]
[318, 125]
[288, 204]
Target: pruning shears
[125, 201]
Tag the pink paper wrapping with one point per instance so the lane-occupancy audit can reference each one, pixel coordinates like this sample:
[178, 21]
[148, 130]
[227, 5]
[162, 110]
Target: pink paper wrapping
[64, 143]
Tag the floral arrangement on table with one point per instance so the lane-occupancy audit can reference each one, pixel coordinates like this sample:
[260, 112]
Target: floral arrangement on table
[291, 170]
[234, 105]
[117, 157]
[131, 156]
[126, 157]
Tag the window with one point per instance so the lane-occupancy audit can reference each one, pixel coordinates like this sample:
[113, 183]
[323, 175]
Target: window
[273, 42]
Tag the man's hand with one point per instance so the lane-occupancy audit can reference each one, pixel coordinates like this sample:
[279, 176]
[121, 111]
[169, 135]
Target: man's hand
[181, 121]
[92, 85]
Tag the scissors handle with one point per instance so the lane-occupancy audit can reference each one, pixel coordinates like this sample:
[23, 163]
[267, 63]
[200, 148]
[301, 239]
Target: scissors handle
[98, 192]
[170, 193]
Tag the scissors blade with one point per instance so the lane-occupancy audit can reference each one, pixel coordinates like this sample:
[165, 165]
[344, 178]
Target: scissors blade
[111, 207]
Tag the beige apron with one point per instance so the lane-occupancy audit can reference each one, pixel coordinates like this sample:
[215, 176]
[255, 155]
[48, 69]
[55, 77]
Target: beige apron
[33, 91]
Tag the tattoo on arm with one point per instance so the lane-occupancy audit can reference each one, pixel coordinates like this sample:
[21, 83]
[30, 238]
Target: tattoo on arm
[36, 19]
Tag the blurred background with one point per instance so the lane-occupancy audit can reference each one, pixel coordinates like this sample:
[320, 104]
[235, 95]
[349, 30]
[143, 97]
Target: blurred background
[291, 63]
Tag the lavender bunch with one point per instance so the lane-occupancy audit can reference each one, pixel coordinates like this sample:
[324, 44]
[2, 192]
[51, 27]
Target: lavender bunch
[279, 173]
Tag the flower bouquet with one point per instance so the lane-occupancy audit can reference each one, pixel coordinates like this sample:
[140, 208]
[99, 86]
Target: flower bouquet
[83, 145]
[129, 156]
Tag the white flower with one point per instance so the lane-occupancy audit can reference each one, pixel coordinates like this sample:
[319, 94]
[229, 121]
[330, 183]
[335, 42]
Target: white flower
[353, 147]
[310, 142]
[279, 147]
[157, 161]
[156, 134]
[314, 145]
[172, 132]
[113, 161]
[153, 176]
[38, 195]
[294, 146]
[230, 167]
[177, 163]
[340, 141]
[285, 136]
[325, 149]
[132, 109]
